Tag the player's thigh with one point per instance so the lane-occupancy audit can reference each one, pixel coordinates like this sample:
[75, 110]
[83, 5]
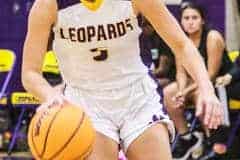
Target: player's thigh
[104, 148]
[153, 144]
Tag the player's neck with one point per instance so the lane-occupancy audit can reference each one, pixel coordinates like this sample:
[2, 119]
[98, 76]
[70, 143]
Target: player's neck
[92, 5]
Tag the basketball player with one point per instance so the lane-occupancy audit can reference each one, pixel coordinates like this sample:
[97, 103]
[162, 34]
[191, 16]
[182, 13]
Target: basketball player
[96, 42]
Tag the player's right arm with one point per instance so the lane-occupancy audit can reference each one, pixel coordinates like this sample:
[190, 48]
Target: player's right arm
[41, 18]
[207, 106]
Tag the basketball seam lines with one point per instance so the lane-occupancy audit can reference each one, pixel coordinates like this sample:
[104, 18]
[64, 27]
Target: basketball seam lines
[71, 137]
[86, 153]
[48, 131]
[34, 145]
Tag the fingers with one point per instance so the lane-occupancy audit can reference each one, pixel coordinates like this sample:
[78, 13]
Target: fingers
[220, 116]
[213, 121]
[43, 107]
[199, 108]
[214, 115]
[56, 101]
[178, 99]
[210, 107]
[219, 82]
[208, 113]
[224, 80]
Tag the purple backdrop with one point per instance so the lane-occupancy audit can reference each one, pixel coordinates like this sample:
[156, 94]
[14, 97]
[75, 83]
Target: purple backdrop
[216, 12]
[13, 15]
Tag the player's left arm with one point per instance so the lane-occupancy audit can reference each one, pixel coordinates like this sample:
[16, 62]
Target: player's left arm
[185, 51]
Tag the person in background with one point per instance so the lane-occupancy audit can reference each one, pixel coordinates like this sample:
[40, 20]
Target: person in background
[163, 62]
[231, 80]
[211, 46]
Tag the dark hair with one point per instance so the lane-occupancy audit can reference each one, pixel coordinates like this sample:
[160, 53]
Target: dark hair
[192, 5]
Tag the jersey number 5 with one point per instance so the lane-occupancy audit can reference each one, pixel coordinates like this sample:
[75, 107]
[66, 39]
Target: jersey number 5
[102, 53]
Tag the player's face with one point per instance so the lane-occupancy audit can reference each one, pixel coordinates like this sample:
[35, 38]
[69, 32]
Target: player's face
[191, 21]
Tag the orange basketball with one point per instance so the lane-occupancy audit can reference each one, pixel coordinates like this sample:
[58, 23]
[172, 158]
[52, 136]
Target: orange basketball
[61, 133]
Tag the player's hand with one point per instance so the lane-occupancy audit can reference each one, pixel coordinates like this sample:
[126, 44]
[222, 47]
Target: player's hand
[179, 99]
[223, 80]
[55, 101]
[209, 108]
[54, 98]
[181, 95]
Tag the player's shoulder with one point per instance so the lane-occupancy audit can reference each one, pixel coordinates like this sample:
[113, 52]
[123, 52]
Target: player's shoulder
[44, 9]
[46, 6]
[214, 35]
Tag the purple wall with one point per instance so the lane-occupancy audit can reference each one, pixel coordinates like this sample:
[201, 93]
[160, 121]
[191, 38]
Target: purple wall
[216, 12]
[13, 15]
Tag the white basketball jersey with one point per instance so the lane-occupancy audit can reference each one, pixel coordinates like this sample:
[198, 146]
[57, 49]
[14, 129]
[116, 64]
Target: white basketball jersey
[98, 49]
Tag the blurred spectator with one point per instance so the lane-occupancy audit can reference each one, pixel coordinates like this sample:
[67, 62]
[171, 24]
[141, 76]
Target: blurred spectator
[163, 65]
[211, 46]
[231, 80]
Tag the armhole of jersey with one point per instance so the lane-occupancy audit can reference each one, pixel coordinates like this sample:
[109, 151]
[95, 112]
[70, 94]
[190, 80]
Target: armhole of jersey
[62, 4]
[140, 20]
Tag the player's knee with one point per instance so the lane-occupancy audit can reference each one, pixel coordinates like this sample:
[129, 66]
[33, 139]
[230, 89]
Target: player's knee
[169, 92]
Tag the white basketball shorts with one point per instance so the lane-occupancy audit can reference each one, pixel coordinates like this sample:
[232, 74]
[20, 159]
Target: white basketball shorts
[122, 114]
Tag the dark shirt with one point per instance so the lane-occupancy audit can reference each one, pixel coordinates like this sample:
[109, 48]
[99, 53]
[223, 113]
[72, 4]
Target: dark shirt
[226, 62]
[163, 49]
[235, 70]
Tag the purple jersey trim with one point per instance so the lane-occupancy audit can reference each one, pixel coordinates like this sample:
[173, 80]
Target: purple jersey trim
[62, 4]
